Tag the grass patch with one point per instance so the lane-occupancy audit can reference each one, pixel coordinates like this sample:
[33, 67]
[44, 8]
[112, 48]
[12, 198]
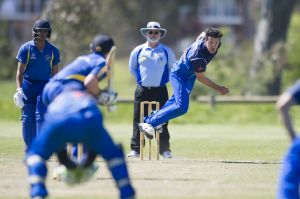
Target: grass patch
[227, 161]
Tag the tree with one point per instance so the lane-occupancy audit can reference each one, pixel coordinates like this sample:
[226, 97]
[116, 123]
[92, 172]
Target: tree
[291, 73]
[7, 54]
[76, 22]
[269, 50]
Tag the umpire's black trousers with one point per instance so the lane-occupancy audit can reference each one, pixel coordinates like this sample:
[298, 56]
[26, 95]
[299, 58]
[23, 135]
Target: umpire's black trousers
[159, 94]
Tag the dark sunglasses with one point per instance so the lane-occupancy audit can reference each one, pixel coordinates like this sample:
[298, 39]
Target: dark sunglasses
[41, 30]
[153, 32]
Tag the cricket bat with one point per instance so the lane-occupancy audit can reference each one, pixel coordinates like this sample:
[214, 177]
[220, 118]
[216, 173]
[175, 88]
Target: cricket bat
[109, 66]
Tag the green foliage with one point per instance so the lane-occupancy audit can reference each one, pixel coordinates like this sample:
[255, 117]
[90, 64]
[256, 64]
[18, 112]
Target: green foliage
[73, 31]
[279, 67]
[292, 72]
[75, 23]
[265, 76]
[6, 53]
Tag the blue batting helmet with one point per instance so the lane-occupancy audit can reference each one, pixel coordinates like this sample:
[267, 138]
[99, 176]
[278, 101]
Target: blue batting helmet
[102, 44]
[41, 24]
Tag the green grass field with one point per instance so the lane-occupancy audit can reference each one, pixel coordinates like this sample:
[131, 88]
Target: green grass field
[231, 151]
[210, 161]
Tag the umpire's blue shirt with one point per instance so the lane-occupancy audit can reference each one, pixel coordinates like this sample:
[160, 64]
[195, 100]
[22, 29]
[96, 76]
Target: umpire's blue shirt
[151, 66]
[38, 63]
[82, 67]
[194, 59]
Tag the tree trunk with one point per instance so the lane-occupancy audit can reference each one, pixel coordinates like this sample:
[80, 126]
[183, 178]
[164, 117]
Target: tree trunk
[272, 29]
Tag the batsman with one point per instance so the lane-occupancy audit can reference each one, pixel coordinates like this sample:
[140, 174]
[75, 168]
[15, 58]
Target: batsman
[73, 117]
[84, 73]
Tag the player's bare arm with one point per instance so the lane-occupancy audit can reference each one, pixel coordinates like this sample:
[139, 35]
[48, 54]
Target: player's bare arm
[19, 75]
[54, 69]
[91, 84]
[283, 105]
[203, 79]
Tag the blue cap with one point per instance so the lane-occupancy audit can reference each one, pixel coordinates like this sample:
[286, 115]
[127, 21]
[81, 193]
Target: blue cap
[102, 44]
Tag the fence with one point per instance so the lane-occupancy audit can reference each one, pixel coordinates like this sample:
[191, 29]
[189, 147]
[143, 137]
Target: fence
[225, 99]
[212, 100]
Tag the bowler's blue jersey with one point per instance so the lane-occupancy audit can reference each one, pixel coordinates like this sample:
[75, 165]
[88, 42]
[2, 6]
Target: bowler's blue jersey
[194, 59]
[295, 91]
[82, 67]
[38, 63]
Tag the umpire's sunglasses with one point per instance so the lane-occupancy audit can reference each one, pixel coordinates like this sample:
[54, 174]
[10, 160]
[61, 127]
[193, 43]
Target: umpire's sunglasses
[153, 32]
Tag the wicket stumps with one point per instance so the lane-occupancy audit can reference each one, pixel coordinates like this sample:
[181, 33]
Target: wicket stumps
[79, 150]
[151, 105]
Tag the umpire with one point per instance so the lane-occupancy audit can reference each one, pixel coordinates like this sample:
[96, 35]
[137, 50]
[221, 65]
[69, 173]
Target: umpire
[150, 63]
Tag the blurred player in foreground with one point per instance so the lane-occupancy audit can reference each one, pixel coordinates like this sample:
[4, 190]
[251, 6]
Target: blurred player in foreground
[84, 73]
[190, 67]
[37, 62]
[290, 171]
[73, 117]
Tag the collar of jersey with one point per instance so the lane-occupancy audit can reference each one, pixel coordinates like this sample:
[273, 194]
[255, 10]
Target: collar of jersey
[98, 53]
[147, 47]
[32, 43]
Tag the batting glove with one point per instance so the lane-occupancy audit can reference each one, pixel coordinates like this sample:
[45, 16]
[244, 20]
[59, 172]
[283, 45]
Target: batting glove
[18, 98]
[107, 97]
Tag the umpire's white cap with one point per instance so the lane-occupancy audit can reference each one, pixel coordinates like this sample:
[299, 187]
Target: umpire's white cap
[153, 25]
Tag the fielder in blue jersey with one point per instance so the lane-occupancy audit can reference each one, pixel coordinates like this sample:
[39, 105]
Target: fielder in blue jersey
[37, 62]
[190, 67]
[289, 181]
[73, 117]
[83, 73]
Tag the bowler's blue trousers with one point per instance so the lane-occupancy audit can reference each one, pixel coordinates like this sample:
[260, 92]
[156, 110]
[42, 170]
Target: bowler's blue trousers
[290, 173]
[178, 104]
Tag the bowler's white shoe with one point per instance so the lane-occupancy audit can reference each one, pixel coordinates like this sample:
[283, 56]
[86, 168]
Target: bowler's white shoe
[147, 129]
[166, 154]
[133, 154]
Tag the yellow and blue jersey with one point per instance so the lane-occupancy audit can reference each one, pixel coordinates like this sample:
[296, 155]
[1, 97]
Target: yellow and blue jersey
[38, 63]
[81, 67]
[72, 76]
